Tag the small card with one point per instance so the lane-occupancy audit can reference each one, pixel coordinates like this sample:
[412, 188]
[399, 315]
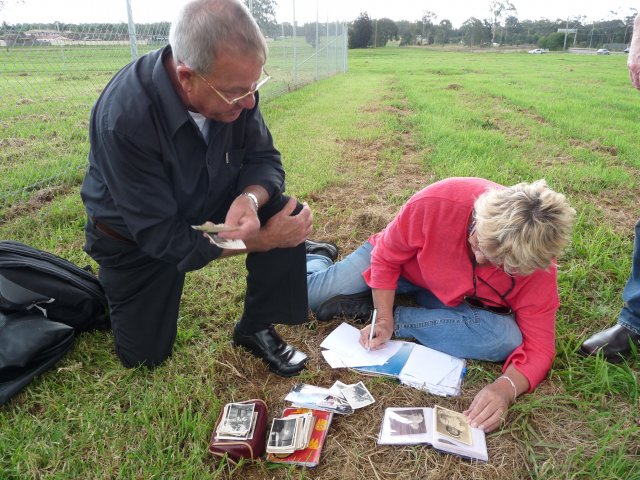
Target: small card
[230, 243]
[211, 227]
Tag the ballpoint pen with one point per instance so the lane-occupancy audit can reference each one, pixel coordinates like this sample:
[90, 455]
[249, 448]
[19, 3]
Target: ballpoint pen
[373, 326]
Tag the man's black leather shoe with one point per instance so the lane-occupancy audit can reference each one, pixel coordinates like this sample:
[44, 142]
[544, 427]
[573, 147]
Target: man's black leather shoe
[327, 249]
[280, 357]
[613, 342]
[358, 306]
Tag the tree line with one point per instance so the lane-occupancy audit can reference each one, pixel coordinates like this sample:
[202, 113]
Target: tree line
[497, 31]
[502, 27]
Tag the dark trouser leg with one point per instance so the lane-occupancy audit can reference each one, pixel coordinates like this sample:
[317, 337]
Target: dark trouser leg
[144, 299]
[276, 282]
[144, 304]
[276, 293]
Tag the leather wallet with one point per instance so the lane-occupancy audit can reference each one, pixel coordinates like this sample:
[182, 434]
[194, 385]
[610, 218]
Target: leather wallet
[249, 449]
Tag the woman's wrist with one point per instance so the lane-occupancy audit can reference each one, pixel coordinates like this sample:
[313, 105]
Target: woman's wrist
[513, 390]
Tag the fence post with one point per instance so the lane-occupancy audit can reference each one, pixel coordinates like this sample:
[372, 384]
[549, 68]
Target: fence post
[295, 48]
[132, 33]
[345, 31]
[317, 41]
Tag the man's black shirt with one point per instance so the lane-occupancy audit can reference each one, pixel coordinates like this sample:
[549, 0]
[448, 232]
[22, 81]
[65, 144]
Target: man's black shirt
[152, 174]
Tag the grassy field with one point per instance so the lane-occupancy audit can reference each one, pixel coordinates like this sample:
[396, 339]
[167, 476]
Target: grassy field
[355, 147]
[46, 94]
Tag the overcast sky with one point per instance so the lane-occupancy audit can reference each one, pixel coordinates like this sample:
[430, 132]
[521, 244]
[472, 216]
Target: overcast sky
[457, 11]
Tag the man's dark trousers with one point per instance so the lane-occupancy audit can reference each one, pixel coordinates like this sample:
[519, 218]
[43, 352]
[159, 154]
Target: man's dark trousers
[144, 293]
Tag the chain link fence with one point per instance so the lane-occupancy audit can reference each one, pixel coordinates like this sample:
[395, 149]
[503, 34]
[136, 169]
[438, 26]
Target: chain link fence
[51, 74]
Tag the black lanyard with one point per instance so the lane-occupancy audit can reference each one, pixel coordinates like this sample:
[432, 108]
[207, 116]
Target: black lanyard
[479, 302]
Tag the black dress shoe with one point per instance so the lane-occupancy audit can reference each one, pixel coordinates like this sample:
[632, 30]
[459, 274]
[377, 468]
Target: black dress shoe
[357, 306]
[326, 249]
[613, 342]
[280, 357]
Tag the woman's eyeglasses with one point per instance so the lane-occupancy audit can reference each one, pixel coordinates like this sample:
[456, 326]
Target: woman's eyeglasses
[482, 303]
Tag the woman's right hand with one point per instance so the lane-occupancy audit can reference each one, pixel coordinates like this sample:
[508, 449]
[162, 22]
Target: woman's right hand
[382, 333]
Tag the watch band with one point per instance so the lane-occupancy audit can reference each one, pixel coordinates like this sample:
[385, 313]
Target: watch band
[253, 198]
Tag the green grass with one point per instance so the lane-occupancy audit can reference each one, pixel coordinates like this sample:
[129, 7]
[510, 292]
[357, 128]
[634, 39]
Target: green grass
[509, 117]
[47, 93]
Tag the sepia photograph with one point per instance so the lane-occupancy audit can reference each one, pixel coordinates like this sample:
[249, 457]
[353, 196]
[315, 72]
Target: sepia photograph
[453, 425]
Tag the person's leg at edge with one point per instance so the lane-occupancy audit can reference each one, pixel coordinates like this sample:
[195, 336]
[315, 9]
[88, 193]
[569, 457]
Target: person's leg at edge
[460, 331]
[615, 342]
[630, 313]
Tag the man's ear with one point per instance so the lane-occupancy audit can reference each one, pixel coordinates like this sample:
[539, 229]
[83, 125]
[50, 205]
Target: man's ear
[185, 77]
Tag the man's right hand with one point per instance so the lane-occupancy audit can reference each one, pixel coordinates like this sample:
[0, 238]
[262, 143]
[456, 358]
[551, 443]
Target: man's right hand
[283, 230]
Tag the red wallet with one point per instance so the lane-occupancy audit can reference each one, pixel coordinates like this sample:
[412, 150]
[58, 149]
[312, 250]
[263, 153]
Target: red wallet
[249, 449]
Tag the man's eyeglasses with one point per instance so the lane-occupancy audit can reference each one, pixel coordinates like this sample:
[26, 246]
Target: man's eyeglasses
[234, 101]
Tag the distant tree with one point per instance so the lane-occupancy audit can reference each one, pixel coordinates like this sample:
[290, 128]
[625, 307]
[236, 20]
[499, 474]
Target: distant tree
[407, 32]
[310, 33]
[475, 31]
[443, 33]
[553, 41]
[498, 9]
[264, 12]
[384, 30]
[511, 27]
[427, 35]
[360, 32]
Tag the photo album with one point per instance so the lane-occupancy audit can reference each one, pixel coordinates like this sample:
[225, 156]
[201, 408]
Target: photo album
[445, 430]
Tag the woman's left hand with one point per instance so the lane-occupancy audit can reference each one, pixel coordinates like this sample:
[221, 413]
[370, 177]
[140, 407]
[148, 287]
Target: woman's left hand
[489, 406]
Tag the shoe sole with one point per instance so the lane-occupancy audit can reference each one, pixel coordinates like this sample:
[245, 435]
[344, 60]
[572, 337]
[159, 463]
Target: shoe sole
[618, 358]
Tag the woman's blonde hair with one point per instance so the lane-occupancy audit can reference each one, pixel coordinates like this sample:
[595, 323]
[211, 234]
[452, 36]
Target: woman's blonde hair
[524, 227]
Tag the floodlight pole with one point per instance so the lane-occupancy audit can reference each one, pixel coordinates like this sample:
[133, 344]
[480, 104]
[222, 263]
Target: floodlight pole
[132, 33]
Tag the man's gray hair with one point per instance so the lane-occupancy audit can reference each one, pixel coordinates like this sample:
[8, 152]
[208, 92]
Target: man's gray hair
[524, 227]
[204, 27]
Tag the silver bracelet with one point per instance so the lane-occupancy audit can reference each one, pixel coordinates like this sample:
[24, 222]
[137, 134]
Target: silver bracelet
[515, 390]
[253, 198]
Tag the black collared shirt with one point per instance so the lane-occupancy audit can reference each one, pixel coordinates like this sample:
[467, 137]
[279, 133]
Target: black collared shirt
[152, 174]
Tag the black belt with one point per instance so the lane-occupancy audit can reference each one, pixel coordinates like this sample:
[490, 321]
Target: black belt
[107, 230]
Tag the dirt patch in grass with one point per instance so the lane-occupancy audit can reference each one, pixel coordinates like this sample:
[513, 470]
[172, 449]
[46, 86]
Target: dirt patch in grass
[36, 201]
[594, 146]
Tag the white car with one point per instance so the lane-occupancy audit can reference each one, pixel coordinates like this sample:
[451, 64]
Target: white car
[602, 51]
[538, 51]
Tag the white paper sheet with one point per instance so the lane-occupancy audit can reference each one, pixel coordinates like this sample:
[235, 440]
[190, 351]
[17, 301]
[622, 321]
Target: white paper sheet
[344, 341]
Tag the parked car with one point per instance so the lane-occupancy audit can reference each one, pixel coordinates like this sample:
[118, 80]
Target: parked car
[602, 51]
[538, 51]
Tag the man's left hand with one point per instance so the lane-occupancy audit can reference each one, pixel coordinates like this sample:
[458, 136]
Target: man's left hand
[283, 230]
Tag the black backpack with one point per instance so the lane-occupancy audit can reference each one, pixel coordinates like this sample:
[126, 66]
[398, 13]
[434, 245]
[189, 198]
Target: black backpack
[44, 299]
